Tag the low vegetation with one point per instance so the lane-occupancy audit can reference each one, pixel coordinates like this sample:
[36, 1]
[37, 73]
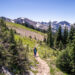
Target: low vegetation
[21, 26]
[63, 41]
[12, 56]
[58, 50]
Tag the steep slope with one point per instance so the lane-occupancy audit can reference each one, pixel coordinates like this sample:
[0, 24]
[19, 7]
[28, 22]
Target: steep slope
[24, 31]
[44, 51]
[12, 53]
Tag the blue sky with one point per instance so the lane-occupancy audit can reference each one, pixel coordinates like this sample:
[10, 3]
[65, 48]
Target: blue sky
[39, 10]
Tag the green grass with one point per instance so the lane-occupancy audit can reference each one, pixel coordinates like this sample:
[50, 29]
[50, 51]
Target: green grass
[26, 41]
[52, 70]
[31, 43]
[52, 64]
[21, 26]
[1, 74]
[44, 52]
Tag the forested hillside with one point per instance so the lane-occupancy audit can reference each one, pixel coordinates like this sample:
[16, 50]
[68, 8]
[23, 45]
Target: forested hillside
[12, 56]
[56, 49]
[26, 31]
[64, 42]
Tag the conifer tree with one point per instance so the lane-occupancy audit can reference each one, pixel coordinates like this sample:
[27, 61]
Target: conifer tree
[65, 36]
[60, 45]
[22, 58]
[49, 36]
[66, 59]
[71, 34]
[58, 37]
[12, 43]
[3, 45]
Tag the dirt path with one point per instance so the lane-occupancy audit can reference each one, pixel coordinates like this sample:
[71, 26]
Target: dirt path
[43, 68]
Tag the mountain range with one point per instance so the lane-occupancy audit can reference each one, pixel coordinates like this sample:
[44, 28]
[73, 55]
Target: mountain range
[41, 25]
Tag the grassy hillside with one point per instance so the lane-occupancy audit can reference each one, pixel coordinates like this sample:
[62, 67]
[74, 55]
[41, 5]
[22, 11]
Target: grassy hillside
[44, 51]
[25, 31]
[21, 26]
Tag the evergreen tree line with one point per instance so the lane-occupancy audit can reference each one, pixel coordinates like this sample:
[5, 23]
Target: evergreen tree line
[65, 41]
[66, 59]
[12, 54]
[61, 38]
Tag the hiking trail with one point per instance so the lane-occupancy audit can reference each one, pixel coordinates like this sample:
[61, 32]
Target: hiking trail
[43, 68]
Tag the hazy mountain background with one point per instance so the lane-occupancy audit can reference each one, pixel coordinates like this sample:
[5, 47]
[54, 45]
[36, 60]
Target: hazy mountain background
[41, 25]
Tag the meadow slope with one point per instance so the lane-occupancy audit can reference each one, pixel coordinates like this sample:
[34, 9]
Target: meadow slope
[45, 53]
[24, 31]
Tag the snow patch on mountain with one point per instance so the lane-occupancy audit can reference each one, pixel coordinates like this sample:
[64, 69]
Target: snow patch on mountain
[41, 25]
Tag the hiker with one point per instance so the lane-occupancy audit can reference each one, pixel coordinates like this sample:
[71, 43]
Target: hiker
[35, 51]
